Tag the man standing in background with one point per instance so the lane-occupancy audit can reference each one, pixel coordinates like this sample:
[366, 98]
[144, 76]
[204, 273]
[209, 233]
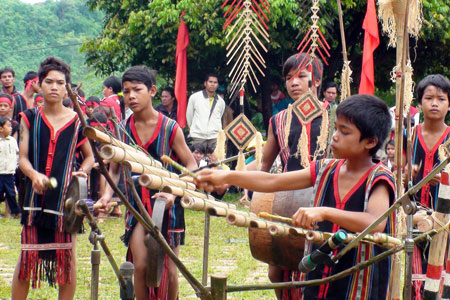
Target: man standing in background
[204, 113]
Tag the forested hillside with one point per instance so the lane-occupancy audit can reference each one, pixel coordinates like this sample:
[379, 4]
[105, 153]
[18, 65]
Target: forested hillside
[29, 33]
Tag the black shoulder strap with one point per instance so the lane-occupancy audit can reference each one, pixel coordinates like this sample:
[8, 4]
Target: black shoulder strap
[213, 105]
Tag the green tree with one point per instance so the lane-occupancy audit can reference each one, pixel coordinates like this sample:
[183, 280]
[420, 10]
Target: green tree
[142, 32]
[29, 33]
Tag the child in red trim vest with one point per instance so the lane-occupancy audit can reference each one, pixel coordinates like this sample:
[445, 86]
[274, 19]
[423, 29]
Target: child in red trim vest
[351, 192]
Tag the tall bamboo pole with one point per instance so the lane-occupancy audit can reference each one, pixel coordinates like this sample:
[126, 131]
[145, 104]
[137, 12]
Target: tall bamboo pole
[344, 44]
[400, 8]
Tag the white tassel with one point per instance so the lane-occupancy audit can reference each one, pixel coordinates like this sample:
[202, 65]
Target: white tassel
[220, 145]
[241, 162]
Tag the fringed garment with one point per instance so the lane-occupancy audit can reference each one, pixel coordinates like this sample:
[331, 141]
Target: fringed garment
[173, 223]
[46, 250]
[288, 157]
[369, 283]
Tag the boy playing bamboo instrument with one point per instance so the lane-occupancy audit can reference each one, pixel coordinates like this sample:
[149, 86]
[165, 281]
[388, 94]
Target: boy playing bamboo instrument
[351, 191]
[157, 135]
[49, 137]
[283, 136]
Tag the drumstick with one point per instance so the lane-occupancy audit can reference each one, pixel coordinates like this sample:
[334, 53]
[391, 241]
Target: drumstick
[269, 217]
[223, 161]
[51, 183]
[102, 205]
[177, 166]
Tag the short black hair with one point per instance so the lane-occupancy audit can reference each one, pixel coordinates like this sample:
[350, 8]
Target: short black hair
[330, 84]
[199, 147]
[3, 121]
[53, 64]
[170, 90]
[67, 102]
[437, 80]
[293, 62]
[141, 74]
[211, 75]
[8, 70]
[114, 83]
[30, 75]
[210, 149]
[93, 99]
[103, 109]
[99, 117]
[391, 143]
[369, 114]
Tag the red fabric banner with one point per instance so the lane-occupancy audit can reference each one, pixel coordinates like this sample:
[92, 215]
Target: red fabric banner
[181, 72]
[371, 42]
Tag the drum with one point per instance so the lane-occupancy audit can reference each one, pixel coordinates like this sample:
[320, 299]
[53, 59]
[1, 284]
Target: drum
[285, 252]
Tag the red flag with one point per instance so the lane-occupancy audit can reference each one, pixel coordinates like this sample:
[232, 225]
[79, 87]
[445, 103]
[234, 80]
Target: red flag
[181, 73]
[371, 42]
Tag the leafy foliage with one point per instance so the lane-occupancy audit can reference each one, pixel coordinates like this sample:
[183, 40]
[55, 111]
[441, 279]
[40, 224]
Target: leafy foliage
[29, 33]
[139, 32]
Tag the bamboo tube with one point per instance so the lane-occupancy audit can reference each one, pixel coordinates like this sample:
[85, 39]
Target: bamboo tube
[119, 155]
[177, 191]
[196, 203]
[139, 168]
[278, 229]
[297, 231]
[259, 223]
[157, 182]
[382, 238]
[239, 220]
[102, 137]
[218, 211]
[317, 236]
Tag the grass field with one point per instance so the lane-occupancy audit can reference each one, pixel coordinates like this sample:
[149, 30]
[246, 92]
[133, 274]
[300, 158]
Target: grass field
[229, 255]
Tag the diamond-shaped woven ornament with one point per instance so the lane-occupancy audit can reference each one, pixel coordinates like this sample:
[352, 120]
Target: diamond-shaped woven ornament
[240, 131]
[307, 107]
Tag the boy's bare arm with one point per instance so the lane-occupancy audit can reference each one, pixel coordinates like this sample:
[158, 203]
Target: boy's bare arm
[88, 161]
[182, 151]
[38, 179]
[349, 220]
[255, 181]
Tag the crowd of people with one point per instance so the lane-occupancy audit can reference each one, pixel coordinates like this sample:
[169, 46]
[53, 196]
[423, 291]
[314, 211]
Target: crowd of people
[41, 137]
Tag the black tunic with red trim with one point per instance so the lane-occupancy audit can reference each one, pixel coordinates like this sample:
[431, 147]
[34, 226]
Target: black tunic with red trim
[372, 282]
[158, 145]
[44, 241]
[426, 159]
[288, 159]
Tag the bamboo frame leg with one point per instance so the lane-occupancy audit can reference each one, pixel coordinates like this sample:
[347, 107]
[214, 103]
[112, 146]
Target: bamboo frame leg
[409, 249]
[95, 274]
[206, 249]
[219, 287]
